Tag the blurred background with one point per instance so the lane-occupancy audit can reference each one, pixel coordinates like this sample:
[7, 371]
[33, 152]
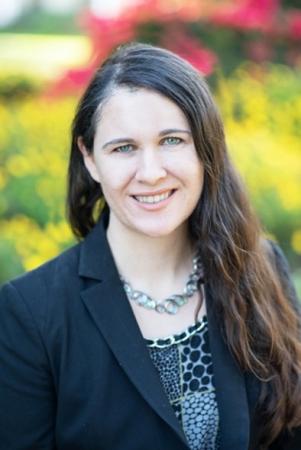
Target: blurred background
[249, 51]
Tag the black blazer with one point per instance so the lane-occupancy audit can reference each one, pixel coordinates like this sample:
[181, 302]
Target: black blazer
[75, 373]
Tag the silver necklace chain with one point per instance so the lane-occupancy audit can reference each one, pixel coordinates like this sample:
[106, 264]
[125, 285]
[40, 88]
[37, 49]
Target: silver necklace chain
[172, 304]
[179, 337]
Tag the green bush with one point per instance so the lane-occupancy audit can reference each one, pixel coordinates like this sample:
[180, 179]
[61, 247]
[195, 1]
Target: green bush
[261, 112]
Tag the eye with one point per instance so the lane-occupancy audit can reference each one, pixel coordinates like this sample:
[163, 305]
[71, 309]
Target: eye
[126, 148]
[172, 140]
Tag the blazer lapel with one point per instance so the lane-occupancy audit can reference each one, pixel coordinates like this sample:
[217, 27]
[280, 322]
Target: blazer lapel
[230, 387]
[109, 308]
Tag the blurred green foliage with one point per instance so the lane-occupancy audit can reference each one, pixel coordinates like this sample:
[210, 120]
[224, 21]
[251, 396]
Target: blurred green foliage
[16, 85]
[262, 116]
[41, 22]
[34, 153]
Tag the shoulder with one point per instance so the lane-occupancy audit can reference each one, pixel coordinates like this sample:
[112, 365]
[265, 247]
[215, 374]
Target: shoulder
[35, 289]
[281, 267]
[60, 267]
[277, 255]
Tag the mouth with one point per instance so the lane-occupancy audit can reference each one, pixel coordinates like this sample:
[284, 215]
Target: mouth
[154, 199]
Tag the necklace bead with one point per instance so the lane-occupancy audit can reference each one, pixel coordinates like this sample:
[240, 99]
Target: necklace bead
[173, 303]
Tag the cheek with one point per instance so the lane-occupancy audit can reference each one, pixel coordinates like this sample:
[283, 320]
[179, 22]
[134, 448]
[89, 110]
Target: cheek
[188, 164]
[193, 171]
[113, 177]
[197, 179]
[200, 176]
[198, 169]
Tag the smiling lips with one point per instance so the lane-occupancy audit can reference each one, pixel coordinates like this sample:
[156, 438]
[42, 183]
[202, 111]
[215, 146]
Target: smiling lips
[155, 198]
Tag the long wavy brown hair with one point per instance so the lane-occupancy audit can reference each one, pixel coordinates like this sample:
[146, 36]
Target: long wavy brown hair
[259, 321]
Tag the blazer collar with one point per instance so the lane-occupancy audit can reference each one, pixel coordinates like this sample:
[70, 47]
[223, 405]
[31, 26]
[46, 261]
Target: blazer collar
[230, 385]
[96, 261]
[109, 308]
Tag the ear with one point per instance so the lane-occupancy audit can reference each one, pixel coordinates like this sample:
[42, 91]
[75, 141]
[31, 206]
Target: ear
[89, 161]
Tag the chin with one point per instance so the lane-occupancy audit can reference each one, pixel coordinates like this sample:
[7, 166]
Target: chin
[155, 234]
[157, 231]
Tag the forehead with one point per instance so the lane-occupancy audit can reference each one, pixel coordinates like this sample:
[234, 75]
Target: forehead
[138, 111]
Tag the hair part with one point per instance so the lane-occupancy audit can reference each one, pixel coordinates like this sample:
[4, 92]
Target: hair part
[258, 320]
[137, 66]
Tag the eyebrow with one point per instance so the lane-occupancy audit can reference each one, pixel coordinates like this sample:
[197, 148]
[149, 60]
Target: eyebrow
[174, 130]
[131, 141]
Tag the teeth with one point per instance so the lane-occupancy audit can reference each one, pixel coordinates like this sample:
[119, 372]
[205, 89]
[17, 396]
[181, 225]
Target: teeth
[152, 198]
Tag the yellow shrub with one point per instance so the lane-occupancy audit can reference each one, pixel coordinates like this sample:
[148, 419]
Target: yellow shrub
[262, 116]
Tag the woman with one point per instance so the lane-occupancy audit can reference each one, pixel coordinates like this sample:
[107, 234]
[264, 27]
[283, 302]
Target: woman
[173, 324]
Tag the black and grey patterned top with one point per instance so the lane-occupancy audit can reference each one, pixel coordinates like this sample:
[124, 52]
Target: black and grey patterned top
[186, 372]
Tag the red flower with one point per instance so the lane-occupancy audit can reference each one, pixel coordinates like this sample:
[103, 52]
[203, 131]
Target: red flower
[162, 11]
[190, 49]
[71, 81]
[259, 51]
[107, 33]
[294, 24]
[250, 14]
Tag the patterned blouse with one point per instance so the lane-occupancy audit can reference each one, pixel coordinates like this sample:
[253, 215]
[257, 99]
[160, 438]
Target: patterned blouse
[186, 373]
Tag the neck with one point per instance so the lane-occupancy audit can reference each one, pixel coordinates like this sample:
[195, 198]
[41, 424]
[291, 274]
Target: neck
[141, 259]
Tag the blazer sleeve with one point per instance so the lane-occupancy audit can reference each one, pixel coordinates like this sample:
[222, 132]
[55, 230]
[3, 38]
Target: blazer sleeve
[27, 399]
[287, 440]
[283, 270]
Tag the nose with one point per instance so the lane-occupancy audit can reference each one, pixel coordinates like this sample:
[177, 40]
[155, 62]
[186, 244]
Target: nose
[150, 166]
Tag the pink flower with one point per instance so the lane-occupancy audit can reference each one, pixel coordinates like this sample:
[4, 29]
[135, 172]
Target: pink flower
[190, 49]
[259, 51]
[107, 33]
[71, 81]
[294, 24]
[249, 14]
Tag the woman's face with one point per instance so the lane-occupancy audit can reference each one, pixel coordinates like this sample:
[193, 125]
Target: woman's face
[146, 162]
